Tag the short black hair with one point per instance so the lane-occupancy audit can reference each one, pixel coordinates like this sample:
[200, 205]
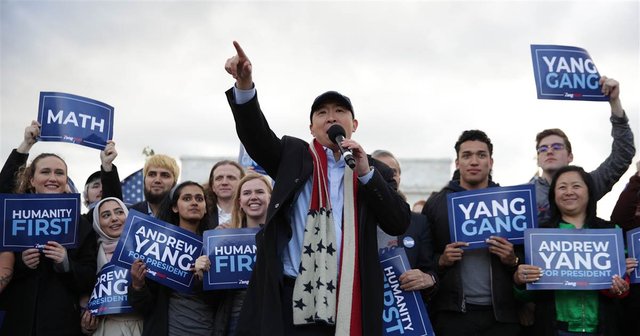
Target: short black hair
[473, 135]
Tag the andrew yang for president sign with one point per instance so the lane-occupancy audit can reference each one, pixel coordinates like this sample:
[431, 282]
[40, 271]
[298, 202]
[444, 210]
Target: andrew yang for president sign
[31, 220]
[575, 259]
[110, 294]
[232, 253]
[167, 250]
[506, 212]
[69, 118]
[566, 73]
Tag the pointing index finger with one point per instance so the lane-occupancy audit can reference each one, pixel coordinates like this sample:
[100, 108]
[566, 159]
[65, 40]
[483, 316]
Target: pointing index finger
[239, 49]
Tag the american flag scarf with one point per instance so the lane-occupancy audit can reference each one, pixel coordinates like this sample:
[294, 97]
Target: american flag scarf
[321, 293]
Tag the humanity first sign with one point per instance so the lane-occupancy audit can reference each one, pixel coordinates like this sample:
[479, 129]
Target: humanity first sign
[31, 220]
[167, 250]
[476, 215]
[110, 293]
[69, 118]
[566, 73]
[232, 253]
[404, 312]
[571, 259]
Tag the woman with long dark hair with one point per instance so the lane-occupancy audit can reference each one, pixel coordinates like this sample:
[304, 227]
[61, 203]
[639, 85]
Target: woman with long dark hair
[575, 312]
[165, 311]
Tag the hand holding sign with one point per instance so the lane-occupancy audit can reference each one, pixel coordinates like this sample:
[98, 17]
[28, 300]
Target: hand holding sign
[107, 155]
[415, 279]
[54, 251]
[31, 257]
[138, 273]
[452, 253]
[203, 264]
[503, 249]
[611, 88]
[88, 323]
[618, 286]
[632, 264]
[527, 273]
[31, 134]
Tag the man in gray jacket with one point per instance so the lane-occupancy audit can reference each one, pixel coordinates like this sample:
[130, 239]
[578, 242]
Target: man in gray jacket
[554, 152]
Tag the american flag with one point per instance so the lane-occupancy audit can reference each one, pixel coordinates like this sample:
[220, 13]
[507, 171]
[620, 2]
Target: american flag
[132, 188]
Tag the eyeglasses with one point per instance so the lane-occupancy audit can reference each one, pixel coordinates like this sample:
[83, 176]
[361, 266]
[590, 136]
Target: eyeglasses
[555, 146]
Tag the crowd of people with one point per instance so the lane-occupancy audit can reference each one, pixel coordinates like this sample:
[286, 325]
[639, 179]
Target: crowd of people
[321, 226]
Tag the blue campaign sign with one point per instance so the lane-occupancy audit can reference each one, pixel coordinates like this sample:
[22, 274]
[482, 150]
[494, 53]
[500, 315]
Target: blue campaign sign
[247, 162]
[110, 294]
[69, 118]
[565, 73]
[168, 250]
[506, 212]
[31, 220]
[571, 259]
[404, 313]
[232, 253]
[633, 251]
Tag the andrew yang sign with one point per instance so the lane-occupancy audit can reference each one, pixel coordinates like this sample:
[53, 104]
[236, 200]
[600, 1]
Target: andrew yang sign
[110, 293]
[575, 259]
[167, 250]
[31, 220]
[566, 73]
[476, 215]
[69, 118]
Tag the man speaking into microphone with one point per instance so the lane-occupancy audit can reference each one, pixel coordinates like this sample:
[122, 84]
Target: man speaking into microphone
[317, 270]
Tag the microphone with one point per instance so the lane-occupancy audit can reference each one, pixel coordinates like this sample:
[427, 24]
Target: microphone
[336, 134]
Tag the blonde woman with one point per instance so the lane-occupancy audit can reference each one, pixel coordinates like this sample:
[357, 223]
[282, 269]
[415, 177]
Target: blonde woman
[250, 203]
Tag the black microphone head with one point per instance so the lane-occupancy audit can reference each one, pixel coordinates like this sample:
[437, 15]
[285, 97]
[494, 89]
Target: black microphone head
[334, 131]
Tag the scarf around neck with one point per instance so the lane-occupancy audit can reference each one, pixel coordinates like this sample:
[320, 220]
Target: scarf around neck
[327, 290]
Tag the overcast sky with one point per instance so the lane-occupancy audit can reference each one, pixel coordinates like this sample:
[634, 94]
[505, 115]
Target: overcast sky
[418, 73]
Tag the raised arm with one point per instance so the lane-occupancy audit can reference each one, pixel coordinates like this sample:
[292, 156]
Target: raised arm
[109, 172]
[18, 157]
[623, 147]
[251, 125]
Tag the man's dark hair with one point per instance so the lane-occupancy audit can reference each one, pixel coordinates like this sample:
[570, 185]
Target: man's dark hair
[473, 135]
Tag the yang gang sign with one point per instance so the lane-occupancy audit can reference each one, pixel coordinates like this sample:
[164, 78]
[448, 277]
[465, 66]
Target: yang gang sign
[476, 215]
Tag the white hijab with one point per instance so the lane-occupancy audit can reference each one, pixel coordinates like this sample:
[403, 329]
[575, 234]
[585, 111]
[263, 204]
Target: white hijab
[106, 243]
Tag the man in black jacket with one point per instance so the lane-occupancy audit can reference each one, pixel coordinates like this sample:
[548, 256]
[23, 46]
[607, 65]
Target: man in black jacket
[416, 241]
[269, 305]
[475, 294]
